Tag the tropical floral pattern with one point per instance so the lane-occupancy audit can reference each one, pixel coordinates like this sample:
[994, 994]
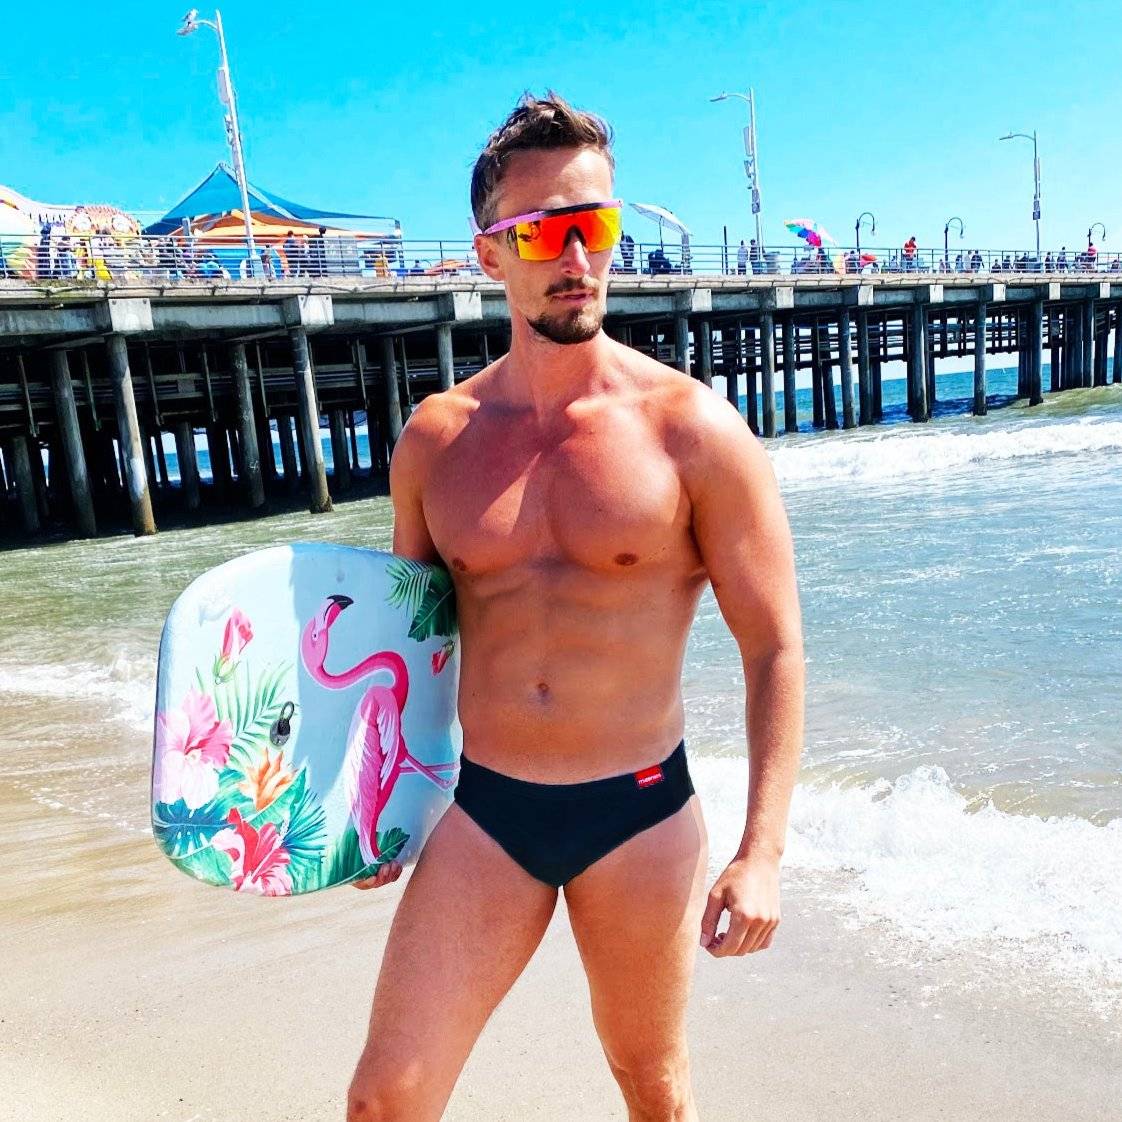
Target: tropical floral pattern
[230, 807]
[259, 859]
[193, 744]
[236, 634]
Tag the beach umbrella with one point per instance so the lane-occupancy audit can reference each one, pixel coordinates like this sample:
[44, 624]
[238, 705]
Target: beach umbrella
[813, 232]
[662, 216]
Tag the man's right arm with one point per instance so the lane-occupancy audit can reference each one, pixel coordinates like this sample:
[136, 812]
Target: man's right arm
[409, 467]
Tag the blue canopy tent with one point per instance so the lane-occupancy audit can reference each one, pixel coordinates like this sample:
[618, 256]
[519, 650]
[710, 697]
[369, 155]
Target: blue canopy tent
[218, 193]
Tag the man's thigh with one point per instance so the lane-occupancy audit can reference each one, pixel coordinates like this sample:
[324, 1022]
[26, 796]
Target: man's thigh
[468, 922]
[636, 915]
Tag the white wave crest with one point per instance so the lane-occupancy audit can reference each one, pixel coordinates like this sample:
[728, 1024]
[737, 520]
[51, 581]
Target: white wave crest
[896, 455]
[945, 876]
[124, 689]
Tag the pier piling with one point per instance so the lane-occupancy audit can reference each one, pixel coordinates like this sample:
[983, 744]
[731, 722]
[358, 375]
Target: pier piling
[730, 360]
[128, 436]
[249, 471]
[62, 388]
[218, 453]
[682, 343]
[864, 371]
[845, 356]
[19, 464]
[1087, 336]
[1117, 343]
[445, 360]
[826, 356]
[767, 372]
[340, 455]
[288, 452]
[749, 351]
[930, 395]
[980, 320]
[1101, 333]
[818, 411]
[188, 464]
[146, 448]
[790, 404]
[917, 373]
[319, 501]
[703, 336]
[1053, 352]
[391, 393]
[1036, 348]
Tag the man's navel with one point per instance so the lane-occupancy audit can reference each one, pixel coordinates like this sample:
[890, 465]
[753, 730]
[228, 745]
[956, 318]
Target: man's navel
[459, 564]
[625, 558]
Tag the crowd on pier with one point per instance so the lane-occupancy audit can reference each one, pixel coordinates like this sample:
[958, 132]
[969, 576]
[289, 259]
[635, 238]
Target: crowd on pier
[108, 254]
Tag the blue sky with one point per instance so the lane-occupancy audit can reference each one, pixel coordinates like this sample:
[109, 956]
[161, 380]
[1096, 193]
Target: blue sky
[889, 107]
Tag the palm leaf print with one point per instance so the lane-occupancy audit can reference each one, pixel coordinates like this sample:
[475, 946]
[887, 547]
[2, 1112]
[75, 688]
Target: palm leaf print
[426, 594]
[436, 614]
[410, 581]
[180, 830]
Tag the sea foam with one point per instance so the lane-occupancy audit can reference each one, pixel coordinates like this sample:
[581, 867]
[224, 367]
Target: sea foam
[123, 689]
[916, 857]
[894, 455]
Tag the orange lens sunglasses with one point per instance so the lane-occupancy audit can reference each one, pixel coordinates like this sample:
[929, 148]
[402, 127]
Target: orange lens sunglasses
[543, 234]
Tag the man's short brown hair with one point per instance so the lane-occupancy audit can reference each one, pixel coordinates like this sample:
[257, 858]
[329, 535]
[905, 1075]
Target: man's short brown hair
[536, 123]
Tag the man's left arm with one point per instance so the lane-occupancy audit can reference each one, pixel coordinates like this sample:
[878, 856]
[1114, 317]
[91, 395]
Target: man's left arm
[742, 532]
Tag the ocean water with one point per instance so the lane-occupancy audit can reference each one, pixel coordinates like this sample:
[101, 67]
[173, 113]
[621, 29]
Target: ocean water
[961, 587]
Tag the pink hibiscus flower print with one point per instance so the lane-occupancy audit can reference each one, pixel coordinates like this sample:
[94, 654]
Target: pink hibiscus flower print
[191, 745]
[235, 638]
[259, 858]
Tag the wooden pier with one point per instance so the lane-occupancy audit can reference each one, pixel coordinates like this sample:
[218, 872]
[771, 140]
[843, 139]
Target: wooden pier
[96, 375]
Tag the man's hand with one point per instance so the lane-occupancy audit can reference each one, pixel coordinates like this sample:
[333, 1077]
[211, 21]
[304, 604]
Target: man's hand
[387, 874]
[749, 891]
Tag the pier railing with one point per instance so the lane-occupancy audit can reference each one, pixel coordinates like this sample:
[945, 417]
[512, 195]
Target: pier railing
[190, 260]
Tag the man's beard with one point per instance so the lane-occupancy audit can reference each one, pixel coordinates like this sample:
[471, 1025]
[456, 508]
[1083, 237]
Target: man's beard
[570, 327]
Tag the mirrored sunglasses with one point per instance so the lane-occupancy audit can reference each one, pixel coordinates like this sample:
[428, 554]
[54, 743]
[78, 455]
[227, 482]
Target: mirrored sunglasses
[543, 234]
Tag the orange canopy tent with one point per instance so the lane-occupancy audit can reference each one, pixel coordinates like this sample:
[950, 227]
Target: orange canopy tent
[229, 228]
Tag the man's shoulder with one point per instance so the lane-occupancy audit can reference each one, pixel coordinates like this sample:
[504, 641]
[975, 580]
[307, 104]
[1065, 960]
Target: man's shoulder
[702, 432]
[683, 406]
[432, 426]
[437, 418]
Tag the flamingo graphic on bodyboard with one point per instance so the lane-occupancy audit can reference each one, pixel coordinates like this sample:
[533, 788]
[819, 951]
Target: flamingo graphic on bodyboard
[376, 755]
[268, 776]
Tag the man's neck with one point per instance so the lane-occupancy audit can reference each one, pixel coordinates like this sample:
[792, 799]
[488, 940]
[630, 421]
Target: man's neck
[547, 376]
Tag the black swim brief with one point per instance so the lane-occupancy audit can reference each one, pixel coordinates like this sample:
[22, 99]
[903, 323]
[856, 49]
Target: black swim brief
[557, 830]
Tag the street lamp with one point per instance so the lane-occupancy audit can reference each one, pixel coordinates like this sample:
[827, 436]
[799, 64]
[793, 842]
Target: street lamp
[1091, 230]
[1035, 182]
[751, 161]
[192, 22]
[857, 230]
[946, 237]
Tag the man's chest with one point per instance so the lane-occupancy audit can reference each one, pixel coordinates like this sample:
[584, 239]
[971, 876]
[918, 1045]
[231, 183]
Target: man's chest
[605, 497]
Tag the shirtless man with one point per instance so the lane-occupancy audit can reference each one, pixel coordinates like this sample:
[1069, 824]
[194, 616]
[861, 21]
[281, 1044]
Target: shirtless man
[581, 495]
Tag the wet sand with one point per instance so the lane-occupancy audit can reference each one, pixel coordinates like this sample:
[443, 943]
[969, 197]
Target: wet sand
[175, 1001]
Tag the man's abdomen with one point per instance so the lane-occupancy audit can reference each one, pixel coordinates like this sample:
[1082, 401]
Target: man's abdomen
[558, 688]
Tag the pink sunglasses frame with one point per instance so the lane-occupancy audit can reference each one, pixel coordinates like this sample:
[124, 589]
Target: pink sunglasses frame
[538, 215]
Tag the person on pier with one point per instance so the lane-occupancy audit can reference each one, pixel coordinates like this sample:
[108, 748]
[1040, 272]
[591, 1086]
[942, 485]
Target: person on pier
[582, 495]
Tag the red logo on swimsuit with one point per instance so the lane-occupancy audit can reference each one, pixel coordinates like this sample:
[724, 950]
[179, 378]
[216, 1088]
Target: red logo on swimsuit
[649, 776]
